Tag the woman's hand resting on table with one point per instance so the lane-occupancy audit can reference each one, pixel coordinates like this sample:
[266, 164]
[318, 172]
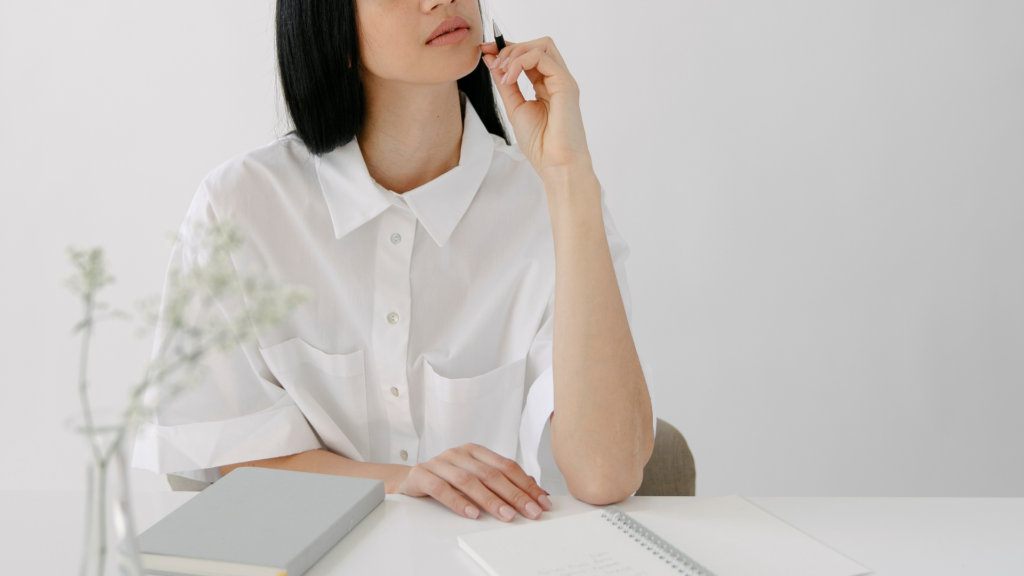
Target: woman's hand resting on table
[472, 477]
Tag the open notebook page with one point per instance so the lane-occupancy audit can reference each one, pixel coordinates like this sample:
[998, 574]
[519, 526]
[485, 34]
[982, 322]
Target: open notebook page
[580, 545]
[732, 537]
[729, 536]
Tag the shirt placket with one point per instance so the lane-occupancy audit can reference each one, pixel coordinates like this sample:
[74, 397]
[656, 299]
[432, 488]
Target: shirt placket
[392, 303]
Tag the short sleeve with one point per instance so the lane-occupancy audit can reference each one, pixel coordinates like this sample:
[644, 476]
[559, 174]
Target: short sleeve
[237, 412]
[540, 399]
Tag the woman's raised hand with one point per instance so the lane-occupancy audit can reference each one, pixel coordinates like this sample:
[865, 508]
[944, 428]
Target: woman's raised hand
[549, 130]
[472, 477]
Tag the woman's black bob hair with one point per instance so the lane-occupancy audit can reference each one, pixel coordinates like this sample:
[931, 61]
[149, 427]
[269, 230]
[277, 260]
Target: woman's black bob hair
[316, 41]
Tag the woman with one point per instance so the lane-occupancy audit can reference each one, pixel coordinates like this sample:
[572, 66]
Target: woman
[437, 345]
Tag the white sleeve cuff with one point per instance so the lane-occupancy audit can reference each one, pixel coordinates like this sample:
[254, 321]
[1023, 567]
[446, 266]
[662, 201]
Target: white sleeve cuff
[196, 450]
[540, 403]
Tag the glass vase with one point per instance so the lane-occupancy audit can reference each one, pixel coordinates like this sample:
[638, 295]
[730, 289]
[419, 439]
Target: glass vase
[109, 542]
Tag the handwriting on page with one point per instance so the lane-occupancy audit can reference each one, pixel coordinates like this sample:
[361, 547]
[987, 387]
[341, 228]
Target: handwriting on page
[593, 563]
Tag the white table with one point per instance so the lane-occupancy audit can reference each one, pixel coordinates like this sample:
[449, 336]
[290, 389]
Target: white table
[40, 532]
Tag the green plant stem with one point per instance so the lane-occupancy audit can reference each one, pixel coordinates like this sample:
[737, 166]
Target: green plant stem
[101, 518]
[99, 461]
[83, 360]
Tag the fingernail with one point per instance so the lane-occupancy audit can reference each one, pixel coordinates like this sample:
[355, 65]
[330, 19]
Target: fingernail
[493, 63]
[504, 62]
[472, 512]
[545, 502]
[532, 510]
[506, 512]
[503, 78]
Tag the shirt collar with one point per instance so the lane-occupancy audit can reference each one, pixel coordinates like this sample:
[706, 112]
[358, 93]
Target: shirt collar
[354, 198]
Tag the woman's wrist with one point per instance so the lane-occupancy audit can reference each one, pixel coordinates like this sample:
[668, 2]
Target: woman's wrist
[574, 201]
[322, 461]
[565, 178]
[394, 481]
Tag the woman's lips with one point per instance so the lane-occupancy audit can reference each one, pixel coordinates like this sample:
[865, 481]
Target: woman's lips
[450, 37]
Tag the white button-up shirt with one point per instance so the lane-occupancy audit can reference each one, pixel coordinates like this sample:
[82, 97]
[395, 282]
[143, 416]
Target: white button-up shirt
[429, 323]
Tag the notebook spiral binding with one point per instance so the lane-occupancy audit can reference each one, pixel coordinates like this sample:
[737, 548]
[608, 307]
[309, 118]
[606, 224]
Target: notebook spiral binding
[665, 551]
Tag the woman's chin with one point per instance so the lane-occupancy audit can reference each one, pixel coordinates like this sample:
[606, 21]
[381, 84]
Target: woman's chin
[452, 66]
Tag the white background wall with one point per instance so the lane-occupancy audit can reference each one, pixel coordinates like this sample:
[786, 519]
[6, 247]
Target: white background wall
[825, 204]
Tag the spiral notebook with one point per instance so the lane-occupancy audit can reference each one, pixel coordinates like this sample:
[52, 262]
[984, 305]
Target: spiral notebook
[709, 537]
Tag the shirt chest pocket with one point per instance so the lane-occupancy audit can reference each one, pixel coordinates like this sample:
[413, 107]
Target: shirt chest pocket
[483, 409]
[330, 389]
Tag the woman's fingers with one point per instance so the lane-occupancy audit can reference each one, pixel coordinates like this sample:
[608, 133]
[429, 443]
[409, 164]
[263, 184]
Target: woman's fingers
[472, 487]
[492, 47]
[539, 66]
[470, 478]
[512, 471]
[490, 60]
[423, 482]
[548, 77]
[511, 96]
[498, 483]
[513, 49]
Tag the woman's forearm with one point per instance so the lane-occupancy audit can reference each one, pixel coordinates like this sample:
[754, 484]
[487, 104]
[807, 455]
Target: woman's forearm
[324, 462]
[602, 432]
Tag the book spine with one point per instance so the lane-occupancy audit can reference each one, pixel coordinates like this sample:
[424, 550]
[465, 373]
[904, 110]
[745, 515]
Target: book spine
[651, 541]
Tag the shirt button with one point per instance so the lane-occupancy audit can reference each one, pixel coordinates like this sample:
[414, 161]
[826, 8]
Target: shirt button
[393, 318]
[404, 455]
[396, 238]
[394, 391]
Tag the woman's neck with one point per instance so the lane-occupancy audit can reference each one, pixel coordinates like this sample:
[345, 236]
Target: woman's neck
[411, 134]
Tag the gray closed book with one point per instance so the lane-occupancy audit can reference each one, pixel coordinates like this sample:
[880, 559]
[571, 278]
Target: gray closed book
[258, 522]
